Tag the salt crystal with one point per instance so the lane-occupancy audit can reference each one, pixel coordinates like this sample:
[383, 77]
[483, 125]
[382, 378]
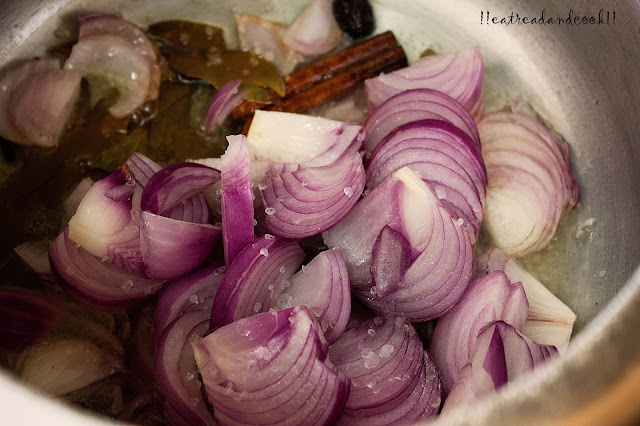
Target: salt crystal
[386, 351]
[189, 376]
[270, 211]
[282, 269]
[460, 221]
[257, 307]
[126, 285]
[255, 222]
[373, 290]
[194, 299]
[262, 186]
[441, 192]
[269, 237]
[371, 332]
[602, 273]
[264, 252]
[348, 191]
[305, 183]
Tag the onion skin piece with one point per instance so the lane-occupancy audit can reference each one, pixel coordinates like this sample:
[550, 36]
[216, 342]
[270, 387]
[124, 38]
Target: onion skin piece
[97, 283]
[257, 275]
[414, 105]
[120, 54]
[530, 183]
[284, 137]
[172, 248]
[459, 75]
[490, 298]
[322, 286]
[441, 250]
[176, 374]
[393, 380]
[500, 355]
[271, 368]
[26, 317]
[236, 197]
[305, 201]
[549, 320]
[315, 31]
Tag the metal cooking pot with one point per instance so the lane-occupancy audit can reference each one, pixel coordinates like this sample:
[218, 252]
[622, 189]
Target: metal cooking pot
[580, 76]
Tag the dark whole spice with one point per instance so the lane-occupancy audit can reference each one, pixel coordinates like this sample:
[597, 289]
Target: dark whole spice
[355, 17]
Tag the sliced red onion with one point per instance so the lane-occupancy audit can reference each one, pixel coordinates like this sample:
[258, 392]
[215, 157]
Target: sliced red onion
[41, 105]
[490, 298]
[441, 250]
[284, 137]
[174, 184]
[10, 79]
[260, 271]
[459, 75]
[142, 168]
[66, 364]
[190, 293]
[236, 197]
[221, 103]
[315, 31]
[26, 317]
[113, 52]
[529, 181]
[172, 248]
[304, 201]
[93, 281]
[414, 105]
[270, 368]
[549, 321]
[444, 157]
[265, 38]
[390, 258]
[393, 380]
[100, 220]
[500, 354]
[323, 286]
[176, 373]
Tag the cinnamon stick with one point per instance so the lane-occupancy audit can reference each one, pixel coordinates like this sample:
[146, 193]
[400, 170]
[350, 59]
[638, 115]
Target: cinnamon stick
[342, 83]
[355, 59]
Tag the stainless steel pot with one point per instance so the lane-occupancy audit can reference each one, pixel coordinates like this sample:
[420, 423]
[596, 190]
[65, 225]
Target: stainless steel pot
[581, 76]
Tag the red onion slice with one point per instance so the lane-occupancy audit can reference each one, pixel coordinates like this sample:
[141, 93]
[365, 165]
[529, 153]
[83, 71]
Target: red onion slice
[221, 103]
[113, 52]
[283, 137]
[487, 299]
[26, 317]
[172, 248]
[444, 157]
[269, 368]
[265, 38]
[260, 271]
[459, 75]
[389, 372]
[549, 320]
[176, 374]
[529, 181]
[236, 197]
[174, 184]
[100, 220]
[414, 105]
[142, 168]
[102, 284]
[41, 105]
[441, 250]
[10, 79]
[500, 354]
[323, 286]
[304, 201]
[190, 293]
[315, 31]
